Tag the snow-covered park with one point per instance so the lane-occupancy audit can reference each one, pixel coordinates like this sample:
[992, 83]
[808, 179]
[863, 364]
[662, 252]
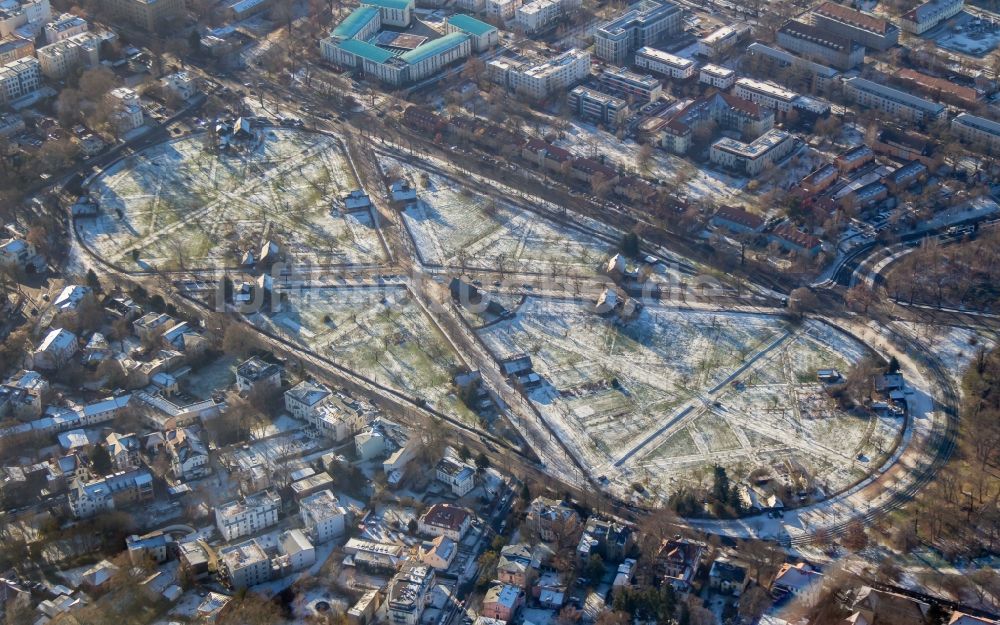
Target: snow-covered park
[664, 398]
[184, 204]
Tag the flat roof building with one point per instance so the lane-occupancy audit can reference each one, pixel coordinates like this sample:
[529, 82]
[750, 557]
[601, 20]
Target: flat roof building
[893, 102]
[751, 158]
[664, 63]
[643, 25]
[868, 30]
[820, 44]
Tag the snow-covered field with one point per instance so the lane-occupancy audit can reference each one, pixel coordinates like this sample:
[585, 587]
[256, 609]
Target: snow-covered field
[378, 332]
[970, 35]
[667, 396]
[179, 204]
[453, 225]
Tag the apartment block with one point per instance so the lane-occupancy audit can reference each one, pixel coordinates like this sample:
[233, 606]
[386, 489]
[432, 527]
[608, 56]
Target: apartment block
[898, 104]
[664, 63]
[57, 59]
[19, 78]
[641, 88]
[245, 564]
[541, 79]
[407, 593]
[127, 111]
[823, 76]
[146, 14]
[595, 105]
[929, 14]
[14, 49]
[868, 30]
[64, 27]
[820, 45]
[751, 158]
[643, 25]
[540, 14]
[717, 76]
[977, 130]
[14, 15]
[249, 516]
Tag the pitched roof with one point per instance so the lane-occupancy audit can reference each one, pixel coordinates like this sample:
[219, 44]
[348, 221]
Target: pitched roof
[431, 48]
[854, 17]
[366, 50]
[470, 24]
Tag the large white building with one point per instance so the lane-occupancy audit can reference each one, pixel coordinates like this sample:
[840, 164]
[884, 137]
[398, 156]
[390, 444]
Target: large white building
[323, 516]
[245, 564]
[126, 110]
[87, 499]
[483, 35]
[717, 76]
[249, 516]
[977, 130]
[539, 14]
[397, 13]
[643, 25]
[539, 80]
[751, 158]
[591, 104]
[19, 78]
[14, 15]
[898, 104]
[81, 50]
[929, 14]
[640, 88]
[502, 10]
[407, 593]
[64, 27]
[766, 94]
[664, 63]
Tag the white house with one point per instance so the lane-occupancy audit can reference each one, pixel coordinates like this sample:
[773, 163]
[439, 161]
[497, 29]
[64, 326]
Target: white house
[444, 519]
[56, 349]
[458, 475]
[249, 516]
[438, 553]
[323, 516]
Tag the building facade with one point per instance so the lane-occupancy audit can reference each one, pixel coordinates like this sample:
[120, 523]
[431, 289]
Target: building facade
[643, 25]
[820, 45]
[751, 158]
[892, 102]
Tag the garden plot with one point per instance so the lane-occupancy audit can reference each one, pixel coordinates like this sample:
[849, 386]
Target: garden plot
[180, 205]
[674, 392]
[380, 333]
[452, 225]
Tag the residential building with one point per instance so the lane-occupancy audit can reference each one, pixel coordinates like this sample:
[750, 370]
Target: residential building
[502, 602]
[502, 10]
[677, 563]
[87, 499]
[188, 454]
[821, 45]
[920, 19]
[146, 14]
[520, 561]
[245, 564]
[738, 220]
[720, 40]
[537, 15]
[549, 518]
[643, 89]
[457, 475]
[540, 79]
[364, 610]
[311, 485]
[13, 49]
[483, 36]
[722, 109]
[870, 31]
[64, 27]
[55, 350]
[823, 76]
[375, 556]
[444, 519]
[19, 78]
[304, 399]
[939, 88]
[794, 240]
[977, 131]
[799, 581]
[181, 84]
[297, 552]
[728, 577]
[643, 25]
[820, 179]
[398, 13]
[58, 59]
[591, 104]
[751, 158]
[15, 14]
[247, 516]
[664, 63]
[407, 593]
[323, 516]
[126, 110]
[717, 76]
[854, 158]
[438, 553]
[766, 94]
[151, 546]
[123, 449]
[22, 395]
[898, 104]
[255, 373]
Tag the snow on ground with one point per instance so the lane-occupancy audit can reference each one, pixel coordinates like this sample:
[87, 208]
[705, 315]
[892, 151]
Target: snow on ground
[178, 204]
[674, 392]
[381, 333]
[954, 346]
